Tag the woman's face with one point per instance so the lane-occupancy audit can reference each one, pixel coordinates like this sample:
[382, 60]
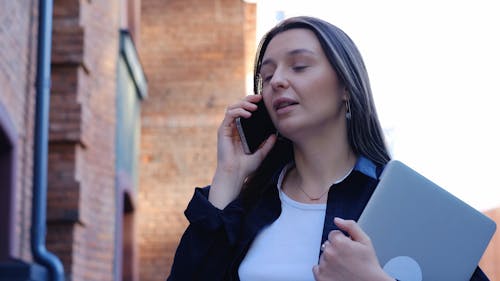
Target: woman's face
[300, 88]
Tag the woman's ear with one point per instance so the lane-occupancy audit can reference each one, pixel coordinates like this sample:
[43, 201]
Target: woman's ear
[345, 95]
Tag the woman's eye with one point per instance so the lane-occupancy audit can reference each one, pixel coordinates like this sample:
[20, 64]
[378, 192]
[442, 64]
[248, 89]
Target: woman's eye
[267, 78]
[299, 67]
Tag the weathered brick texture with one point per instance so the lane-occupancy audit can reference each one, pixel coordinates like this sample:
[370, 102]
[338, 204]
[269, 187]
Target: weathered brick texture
[18, 30]
[195, 56]
[81, 199]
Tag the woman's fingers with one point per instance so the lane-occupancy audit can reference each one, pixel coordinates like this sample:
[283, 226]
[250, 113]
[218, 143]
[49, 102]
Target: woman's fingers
[233, 113]
[229, 142]
[353, 229]
[248, 103]
[242, 108]
[345, 252]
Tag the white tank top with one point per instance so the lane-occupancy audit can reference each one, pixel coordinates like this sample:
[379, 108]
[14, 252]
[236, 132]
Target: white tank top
[289, 247]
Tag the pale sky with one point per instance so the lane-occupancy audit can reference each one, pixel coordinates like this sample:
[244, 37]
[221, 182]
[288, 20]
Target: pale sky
[434, 70]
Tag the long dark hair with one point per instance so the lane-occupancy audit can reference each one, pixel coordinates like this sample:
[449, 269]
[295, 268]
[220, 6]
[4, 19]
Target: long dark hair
[364, 131]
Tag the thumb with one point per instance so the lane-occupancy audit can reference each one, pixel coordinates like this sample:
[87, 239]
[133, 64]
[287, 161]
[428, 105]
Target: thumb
[266, 146]
[353, 229]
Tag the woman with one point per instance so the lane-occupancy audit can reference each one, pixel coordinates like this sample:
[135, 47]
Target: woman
[288, 211]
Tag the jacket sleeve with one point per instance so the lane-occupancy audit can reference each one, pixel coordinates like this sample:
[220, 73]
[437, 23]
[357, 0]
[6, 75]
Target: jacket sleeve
[207, 244]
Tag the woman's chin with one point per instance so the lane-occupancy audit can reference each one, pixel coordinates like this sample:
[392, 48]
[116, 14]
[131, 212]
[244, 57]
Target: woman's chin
[290, 132]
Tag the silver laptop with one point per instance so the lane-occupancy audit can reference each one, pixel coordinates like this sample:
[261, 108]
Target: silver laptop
[422, 232]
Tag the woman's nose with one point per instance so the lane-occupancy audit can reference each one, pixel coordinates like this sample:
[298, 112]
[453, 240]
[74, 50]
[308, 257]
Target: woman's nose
[279, 81]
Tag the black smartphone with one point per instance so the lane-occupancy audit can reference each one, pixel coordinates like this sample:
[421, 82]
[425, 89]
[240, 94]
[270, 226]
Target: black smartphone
[255, 130]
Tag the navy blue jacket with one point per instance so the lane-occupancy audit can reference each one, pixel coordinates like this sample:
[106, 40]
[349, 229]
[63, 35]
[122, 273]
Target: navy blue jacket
[216, 241]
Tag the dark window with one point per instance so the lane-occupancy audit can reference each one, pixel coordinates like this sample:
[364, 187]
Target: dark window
[7, 178]
[131, 90]
[129, 244]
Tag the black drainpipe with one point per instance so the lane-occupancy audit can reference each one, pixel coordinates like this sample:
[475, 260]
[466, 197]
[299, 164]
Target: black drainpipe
[39, 208]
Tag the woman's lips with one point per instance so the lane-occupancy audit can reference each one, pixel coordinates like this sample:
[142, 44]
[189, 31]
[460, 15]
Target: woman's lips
[283, 105]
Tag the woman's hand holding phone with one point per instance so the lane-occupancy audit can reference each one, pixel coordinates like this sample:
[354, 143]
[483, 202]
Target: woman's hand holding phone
[233, 164]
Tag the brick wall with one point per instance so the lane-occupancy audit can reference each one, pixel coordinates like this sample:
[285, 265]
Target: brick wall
[18, 28]
[193, 53]
[81, 199]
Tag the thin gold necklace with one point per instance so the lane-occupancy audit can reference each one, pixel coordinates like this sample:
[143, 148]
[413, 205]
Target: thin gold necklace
[326, 191]
[314, 198]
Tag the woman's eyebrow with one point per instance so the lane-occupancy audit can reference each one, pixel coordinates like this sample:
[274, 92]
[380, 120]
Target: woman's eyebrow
[266, 62]
[289, 54]
[300, 51]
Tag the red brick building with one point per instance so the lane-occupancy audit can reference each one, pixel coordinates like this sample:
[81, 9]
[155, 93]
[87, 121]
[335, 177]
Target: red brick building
[92, 219]
[97, 84]
[124, 152]
[196, 55]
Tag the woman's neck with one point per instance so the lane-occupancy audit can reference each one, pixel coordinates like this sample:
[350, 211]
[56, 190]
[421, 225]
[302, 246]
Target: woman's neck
[321, 159]
[320, 165]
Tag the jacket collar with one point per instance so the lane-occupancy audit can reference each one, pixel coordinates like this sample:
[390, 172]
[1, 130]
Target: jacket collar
[366, 167]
